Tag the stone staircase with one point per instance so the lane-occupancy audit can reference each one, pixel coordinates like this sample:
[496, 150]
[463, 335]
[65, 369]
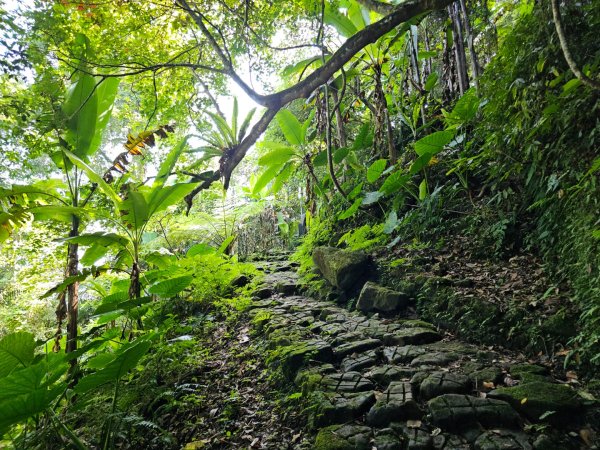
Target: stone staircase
[386, 384]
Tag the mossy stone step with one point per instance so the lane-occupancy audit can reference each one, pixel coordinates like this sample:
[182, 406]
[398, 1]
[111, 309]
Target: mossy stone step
[336, 408]
[439, 383]
[396, 403]
[349, 348]
[455, 412]
[414, 336]
[558, 404]
[344, 437]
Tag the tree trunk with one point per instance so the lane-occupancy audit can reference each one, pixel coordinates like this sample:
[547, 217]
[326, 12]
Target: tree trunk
[475, 68]
[459, 49]
[72, 290]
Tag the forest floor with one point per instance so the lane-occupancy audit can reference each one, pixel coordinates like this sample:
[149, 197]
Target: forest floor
[299, 373]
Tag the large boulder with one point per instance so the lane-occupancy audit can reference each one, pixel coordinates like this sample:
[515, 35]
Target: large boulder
[342, 268]
[376, 298]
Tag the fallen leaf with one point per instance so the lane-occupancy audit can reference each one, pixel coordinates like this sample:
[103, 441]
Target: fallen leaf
[523, 401]
[488, 385]
[588, 436]
[413, 423]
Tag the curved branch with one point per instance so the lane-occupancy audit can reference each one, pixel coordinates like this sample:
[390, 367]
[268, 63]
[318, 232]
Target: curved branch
[566, 52]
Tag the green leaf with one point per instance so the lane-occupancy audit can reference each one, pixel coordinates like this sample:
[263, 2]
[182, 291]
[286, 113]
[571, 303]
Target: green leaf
[115, 370]
[420, 163]
[432, 80]
[223, 247]
[95, 178]
[356, 191]
[281, 178]
[433, 143]
[121, 306]
[106, 93]
[364, 139]
[340, 154]
[81, 109]
[375, 170]
[350, 211]
[161, 198]
[171, 287]
[93, 254]
[200, 249]
[394, 183]
[58, 213]
[135, 207]
[290, 127]
[226, 133]
[570, 85]
[321, 159]
[423, 189]
[266, 177]
[372, 197]
[390, 223]
[16, 350]
[166, 168]
[300, 66]
[341, 23]
[98, 238]
[245, 125]
[278, 156]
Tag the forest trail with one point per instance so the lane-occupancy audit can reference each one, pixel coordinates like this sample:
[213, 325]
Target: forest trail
[372, 383]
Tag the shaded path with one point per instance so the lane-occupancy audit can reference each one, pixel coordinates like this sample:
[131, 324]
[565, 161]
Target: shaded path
[400, 384]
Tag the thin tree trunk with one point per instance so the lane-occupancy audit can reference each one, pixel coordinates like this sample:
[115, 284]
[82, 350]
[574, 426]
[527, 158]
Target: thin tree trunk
[72, 290]
[341, 133]
[459, 49]
[566, 52]
[476, 69]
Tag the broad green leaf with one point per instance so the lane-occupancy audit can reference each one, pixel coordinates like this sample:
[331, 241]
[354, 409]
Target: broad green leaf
[106, 93]
[58, 213]
[98, 238]
[171, 287]
[16, 350]
[390, 223]
[432, 80]
[94, 271]
[351, 210]
[278, 156]
[93, 254]
[136, 210]
[364, 138]
[358, 15]
[200, 249]
[81, 109]
[162, 198]
[356, 191]
[290, 127]
[340, 154]
[420, 163]
[321, 159]
[433, 143]
[115, 370]
[375, 170]
[166, 168]
[234, 118]
[223, 247]
[123, 306]
[266, 177]
[570, 85]
[341, 23]
[300, 66]
[372, 197]
[282, 177]
[394, 183]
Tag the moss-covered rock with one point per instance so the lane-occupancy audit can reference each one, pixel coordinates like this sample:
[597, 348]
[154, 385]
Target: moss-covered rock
[343, 269]
[542, 401]
[376, 298]
[343, 437]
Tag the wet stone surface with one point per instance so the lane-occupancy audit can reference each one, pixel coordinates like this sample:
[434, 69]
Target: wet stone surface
[392, 383]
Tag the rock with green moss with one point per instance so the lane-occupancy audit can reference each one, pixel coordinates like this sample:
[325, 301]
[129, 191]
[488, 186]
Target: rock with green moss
[376, 298]
[542, 401]
[460, 412]
[335, 408]
[416, 336]
[439, 383]
[343, 269]
[396, 403]
[343, 437]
